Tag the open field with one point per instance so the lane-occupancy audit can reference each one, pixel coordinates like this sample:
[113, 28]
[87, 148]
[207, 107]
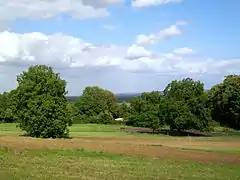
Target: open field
[104, 152]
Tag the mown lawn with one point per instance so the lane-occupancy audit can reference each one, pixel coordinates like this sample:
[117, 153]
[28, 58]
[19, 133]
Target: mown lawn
[86, 130]
[101, 130]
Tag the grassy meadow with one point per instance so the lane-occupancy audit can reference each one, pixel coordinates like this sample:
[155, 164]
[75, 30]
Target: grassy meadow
[105, 152]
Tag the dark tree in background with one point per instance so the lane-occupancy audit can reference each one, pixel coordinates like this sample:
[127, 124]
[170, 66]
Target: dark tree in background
[187, 105]
[224, 100]
[124, 110]
[96, 101]
[41, 103]
[147, 111]
[8, 107]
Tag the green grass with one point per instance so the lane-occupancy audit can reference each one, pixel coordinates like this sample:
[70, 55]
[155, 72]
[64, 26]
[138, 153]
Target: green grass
[101, 130]
[9, 128]
[86, 130]
[81, 164]
[78, 130]
[207, 149]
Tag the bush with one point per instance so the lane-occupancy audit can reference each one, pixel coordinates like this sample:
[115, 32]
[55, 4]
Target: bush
[105, 118]
[41, 103]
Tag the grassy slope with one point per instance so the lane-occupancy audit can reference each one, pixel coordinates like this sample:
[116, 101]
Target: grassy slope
[72, 164]
[52, 164]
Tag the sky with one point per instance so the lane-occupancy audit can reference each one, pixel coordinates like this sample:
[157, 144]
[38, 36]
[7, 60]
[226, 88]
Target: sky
[121, 45]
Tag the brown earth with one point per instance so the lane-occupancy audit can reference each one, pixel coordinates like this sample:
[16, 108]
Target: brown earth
[187, 142]
[164, 149]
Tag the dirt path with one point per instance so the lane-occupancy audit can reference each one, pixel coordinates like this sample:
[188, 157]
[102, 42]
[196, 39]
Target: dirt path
[167, 142]
[115, 145]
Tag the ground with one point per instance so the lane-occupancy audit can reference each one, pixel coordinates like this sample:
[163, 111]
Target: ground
[104, 152]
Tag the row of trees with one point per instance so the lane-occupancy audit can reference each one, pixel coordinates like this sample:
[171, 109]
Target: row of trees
[40, 106]
[183, 105]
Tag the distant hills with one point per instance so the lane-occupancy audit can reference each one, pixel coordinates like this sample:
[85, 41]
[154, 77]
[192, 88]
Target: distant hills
[120, 97]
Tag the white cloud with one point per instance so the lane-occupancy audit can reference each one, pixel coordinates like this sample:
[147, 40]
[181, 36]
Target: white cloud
[172, 56]
[136, 52]
[71, 54]
[145, 3]
[42, 9]
[154, 38]
[101, 3]
[56, 49]
[67, 51]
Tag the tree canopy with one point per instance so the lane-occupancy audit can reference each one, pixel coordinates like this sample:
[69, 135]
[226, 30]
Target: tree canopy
[41, 103]
[184, 89]
[187, 105]
[8, 107]
[224, 100]
[147, 111]
[42, 110]
[183, 106]
[95, 101]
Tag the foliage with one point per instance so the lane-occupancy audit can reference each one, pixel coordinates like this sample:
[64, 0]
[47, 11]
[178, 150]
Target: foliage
[124, 110]
[95, 101]
[180, 117]
[41, 103]
[224, 100]
[187, 105]
[184, 89]
[7, 107]
[74, 115]
[147, 111]
[105, 118]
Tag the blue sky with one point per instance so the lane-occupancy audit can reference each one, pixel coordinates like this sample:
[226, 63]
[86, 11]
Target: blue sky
[208, 39]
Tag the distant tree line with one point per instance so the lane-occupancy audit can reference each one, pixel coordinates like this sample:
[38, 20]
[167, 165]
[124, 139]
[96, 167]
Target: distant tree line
[123, 97]
[40, 105]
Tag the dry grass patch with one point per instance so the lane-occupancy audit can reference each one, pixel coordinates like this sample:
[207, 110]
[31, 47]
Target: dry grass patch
[145, 148]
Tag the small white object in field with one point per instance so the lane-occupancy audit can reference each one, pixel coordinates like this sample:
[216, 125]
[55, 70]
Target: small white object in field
[119, 119]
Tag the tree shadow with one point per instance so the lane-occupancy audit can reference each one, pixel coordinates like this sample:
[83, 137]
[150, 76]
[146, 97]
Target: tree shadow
[26, 135]
[167, 132]
[183, 133]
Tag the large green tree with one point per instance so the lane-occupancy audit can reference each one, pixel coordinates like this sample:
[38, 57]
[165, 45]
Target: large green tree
[224, 100]
[95, 101]
[184, 89]
[187, 105]
[41, 103]
[147, 111]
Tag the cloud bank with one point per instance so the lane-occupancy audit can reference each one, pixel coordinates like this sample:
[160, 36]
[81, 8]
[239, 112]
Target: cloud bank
[121, 68]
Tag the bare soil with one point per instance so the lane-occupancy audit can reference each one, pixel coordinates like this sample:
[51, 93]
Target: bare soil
[154, 148]
[167, 142]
